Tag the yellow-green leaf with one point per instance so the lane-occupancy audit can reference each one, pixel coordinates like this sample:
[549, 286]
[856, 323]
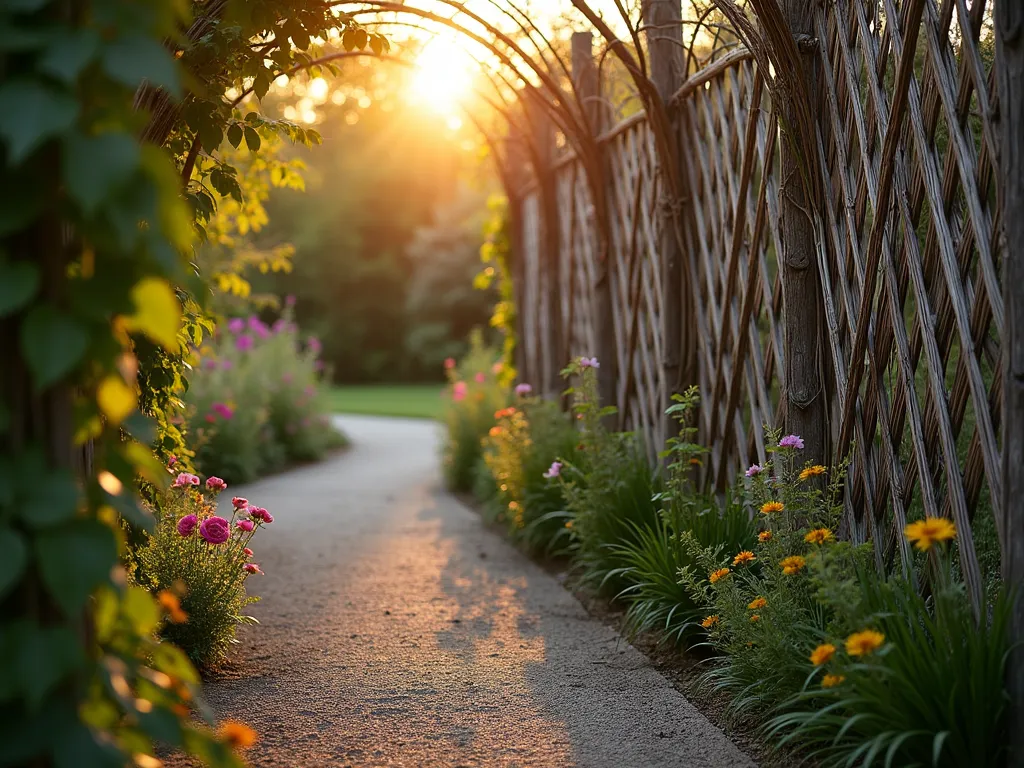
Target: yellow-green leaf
[157, 312]
[115, 398]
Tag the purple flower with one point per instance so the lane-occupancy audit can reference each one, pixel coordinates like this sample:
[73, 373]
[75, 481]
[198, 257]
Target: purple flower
[554, 470]
[245, 525]
[754, 469]
[223, 410]
[279, 326]
[236, 325]
[289, 300]
[187, 524]
[215, 530]
[215, 484]
[258, 327]
[589, 362]
[244, 342]
[210, 364]
[314, 345]
[226, 365]
[523, 389]
[185, 479]
[792, 441]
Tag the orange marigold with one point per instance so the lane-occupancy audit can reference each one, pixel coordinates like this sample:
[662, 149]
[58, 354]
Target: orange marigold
[792, 564]
[710, 621]
[744, 557]
[819, 536]
[764, 536]
[721, 573]
[831, 681]
[170, 603]
[924, 533]
[814, 471]
[822, 654]
[237, 735]
[755, 618]
[865, 642]
[757, 602]
[770, 507]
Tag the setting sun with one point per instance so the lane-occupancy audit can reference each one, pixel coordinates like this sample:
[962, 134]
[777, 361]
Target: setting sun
[443, 76]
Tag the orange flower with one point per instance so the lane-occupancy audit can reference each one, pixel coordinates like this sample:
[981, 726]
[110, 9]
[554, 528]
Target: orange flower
[494, 431]
[237, 735]
[744, 557]
[757, 602]
[721, 573]
[568, 524]
[770, 507]
[865, 642]
[926, 532]
[814, 471]
[819, 536]
[754, 619]
[710, 621]
[792, 564]
[170, 603]
[764, 536]
[831, 681]
[822, 654]
[696, 462]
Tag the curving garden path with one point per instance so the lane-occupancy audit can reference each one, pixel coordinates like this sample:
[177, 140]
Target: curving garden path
[397, 631]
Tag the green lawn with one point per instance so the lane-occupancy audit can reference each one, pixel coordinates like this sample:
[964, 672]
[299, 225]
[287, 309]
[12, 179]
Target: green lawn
[413, 400]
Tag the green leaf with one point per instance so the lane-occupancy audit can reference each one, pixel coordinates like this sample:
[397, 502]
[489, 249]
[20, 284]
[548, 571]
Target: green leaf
[52, 498]
[53, 344]
[13, 559]
[31, 113]
[95, 166]
[19, 281]
[157, 312]
[74, 559]
[135, 58]
[261, 84]
[44, 657]
[70, 52]
[235, 134]
[252, 139]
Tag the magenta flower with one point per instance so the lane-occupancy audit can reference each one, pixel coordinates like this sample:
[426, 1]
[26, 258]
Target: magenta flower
[215, 530]
[589, 362]
[239, 502]
[315, 345]
[185, 479]
[187, 524]
[258, 327]
[245, 525]
[279, 326]
[252, 568]
[244, 342]
[459, 391]
[236, 325]
[215, 484]
[223, 410]
[248, 552]
[554, 470]
[754, 469]
[210, 364]
[259, 513]
[449, 363]
[523, 389]
[226, 365]
[792, 441]
[171, 461]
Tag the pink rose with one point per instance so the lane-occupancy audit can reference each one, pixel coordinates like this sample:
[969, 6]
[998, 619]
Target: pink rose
[248, 552]
[259, 513]
[251, 568]
[459, 391]
[479, 378]
[187, 524]
[449, 363]
[239, 503]
[215, 530]
[185, 479]
[245, 525]
[215, 484]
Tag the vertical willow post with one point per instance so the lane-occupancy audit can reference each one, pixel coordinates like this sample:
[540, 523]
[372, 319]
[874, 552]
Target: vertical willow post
[549, 279]
[803, 383]
[663, 22]
[516, 157]
[587, 83]
[1010, 77]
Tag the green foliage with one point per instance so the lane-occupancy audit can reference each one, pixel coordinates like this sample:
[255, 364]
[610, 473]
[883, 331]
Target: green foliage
[256, 401]
[207, 580]
[494, 254]
[476, 393]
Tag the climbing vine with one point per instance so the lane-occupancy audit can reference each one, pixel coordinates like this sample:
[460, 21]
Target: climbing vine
[494, 253]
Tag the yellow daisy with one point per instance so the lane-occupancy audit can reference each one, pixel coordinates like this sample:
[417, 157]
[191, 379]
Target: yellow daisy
[819, 536]
[721, 573]
[814, 471]
[744, 557]
[822, 654]
[865, 642]
[831, 681]
[792, 564]
[926, 532]
[757, 602]
[770, 507]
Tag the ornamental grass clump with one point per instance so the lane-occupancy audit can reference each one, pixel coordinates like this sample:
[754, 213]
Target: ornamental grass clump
[767, 618]
[197, 561]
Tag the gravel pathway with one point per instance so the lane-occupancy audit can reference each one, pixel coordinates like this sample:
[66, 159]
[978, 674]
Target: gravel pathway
[397, 631]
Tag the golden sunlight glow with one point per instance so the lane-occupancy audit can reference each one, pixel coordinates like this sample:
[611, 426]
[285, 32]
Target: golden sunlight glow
[443, 76]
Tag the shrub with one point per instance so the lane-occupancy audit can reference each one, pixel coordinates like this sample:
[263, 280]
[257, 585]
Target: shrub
[255, 401]
[477, 389]
[198, 563]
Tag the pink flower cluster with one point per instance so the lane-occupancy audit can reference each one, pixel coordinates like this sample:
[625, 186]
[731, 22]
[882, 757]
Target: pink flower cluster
[185, 479]
[459, 390]
[792, 441]
[216, 530]
[523, 390]
[554, 470]
[589, 362]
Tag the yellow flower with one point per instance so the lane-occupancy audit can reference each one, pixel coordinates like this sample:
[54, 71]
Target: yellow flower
[721, 573]
[823, 654]
[757, 602]
[744, 557]
[864, 642]
[831, 681]
[755, 618]
[814, 471]
[770, 507]
[237, 735]
[170, 603]
[926, 532]
[764, 536]
[819, 536]
[792, 564]
[710, 621]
